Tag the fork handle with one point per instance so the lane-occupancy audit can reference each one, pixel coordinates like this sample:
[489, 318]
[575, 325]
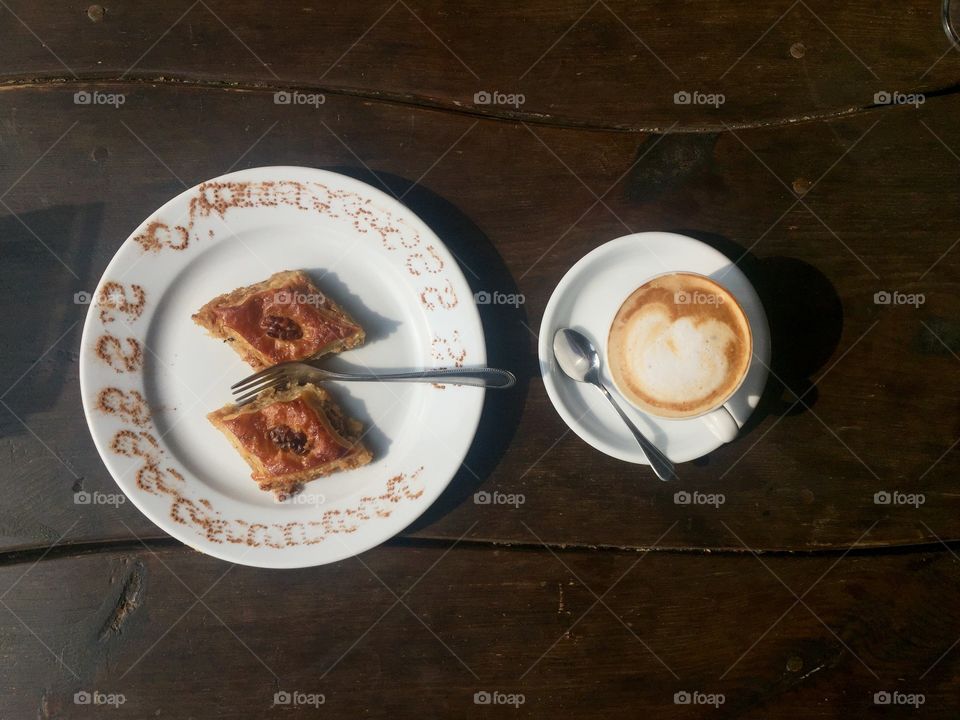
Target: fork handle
[475, 377]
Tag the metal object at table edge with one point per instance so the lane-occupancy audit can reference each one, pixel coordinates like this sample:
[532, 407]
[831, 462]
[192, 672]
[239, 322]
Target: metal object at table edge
[948, 23]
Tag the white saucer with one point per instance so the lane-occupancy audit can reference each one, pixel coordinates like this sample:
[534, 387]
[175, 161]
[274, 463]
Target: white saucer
[587, 299]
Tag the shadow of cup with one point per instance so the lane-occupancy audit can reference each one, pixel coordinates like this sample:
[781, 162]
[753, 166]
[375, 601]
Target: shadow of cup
[805, 315]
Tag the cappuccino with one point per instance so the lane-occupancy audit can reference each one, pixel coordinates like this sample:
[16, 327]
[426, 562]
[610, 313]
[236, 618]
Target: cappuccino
[679, 346]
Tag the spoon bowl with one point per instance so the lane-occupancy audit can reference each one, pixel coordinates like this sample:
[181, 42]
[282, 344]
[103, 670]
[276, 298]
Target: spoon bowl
[577, 356]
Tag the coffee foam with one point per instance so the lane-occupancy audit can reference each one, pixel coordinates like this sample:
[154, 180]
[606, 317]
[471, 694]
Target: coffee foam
[679, 345]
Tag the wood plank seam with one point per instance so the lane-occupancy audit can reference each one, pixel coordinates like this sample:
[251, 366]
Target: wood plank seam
[18, 557]
[510, 116]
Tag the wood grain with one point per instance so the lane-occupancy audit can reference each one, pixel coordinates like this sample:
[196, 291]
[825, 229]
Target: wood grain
[610, 63]
[798, 596]
[403, 632]
[518, 206]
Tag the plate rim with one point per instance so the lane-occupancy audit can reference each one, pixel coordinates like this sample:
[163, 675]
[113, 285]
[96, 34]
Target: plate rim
[469, 419]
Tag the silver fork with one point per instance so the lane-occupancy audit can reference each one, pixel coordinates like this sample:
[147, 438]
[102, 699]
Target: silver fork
[297, 372]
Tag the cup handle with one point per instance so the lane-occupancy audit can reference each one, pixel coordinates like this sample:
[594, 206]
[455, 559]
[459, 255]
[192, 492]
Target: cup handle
[722, 424]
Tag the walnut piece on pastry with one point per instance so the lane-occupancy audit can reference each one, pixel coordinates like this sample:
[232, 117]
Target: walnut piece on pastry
[285, 317]
[291, 436]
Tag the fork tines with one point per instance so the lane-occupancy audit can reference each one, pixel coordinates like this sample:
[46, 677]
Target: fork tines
[248, 388]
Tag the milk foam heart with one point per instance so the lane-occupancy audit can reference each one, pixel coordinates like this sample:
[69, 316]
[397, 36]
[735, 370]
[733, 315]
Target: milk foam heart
[678, 360]
[679, 346]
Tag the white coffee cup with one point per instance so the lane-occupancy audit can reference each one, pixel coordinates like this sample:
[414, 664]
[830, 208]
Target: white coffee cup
[648, 321]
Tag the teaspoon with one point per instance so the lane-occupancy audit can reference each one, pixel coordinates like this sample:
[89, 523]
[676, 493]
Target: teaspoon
[580, 360]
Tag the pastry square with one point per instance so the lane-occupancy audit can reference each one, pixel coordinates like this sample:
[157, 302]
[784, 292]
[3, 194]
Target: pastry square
[291, 436]
[283, 318]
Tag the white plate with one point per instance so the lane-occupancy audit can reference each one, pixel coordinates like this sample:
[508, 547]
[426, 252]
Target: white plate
[587, 299]
[149, 375]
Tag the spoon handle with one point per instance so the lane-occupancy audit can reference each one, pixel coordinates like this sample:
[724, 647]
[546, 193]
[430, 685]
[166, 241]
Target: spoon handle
[658, 461]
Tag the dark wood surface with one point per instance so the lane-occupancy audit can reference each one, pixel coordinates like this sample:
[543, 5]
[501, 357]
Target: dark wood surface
[612, 63]
[577, 633]
[824, 197]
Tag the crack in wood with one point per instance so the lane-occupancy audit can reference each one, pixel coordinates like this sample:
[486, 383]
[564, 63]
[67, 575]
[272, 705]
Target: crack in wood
[440, 105]
[68, 550]
[131, 597]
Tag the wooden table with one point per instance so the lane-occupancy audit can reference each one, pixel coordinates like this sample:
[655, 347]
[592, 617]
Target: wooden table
[819, 148]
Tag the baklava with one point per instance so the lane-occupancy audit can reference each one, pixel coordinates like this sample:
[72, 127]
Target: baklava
[283, 318]
[291, 436]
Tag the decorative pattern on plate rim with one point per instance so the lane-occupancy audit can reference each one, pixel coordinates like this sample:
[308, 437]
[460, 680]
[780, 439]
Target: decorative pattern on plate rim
[138, 437]
[355, 211]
